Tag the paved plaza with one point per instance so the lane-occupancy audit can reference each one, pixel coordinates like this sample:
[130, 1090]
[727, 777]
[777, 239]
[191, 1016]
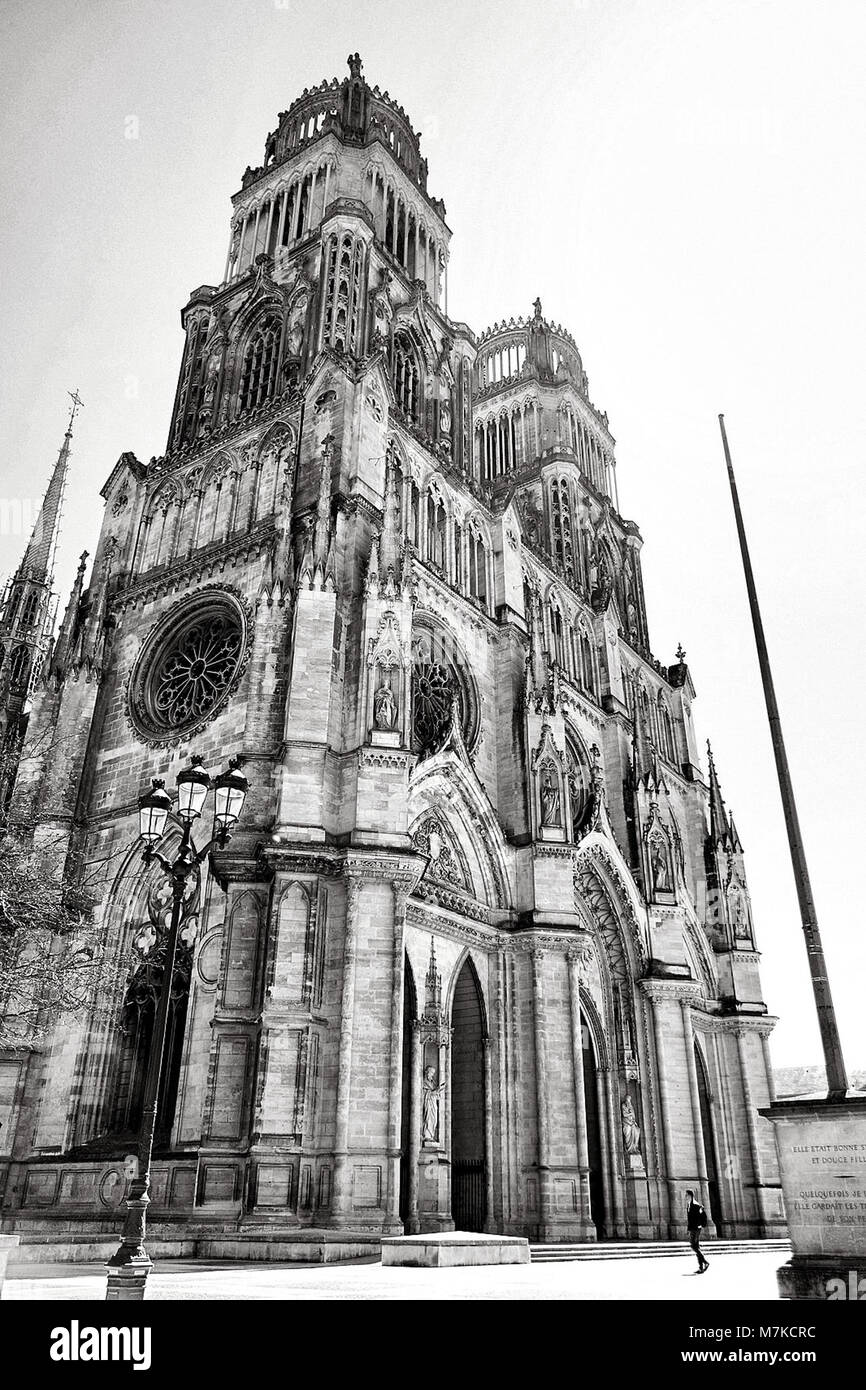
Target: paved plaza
[734, 1277]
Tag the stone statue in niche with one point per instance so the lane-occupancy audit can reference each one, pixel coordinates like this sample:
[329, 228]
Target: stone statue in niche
[205, 414]
[430, 1106]
[531, 517]
[660, 868]
[550, 808]
[295, 334]
[630, 1127]
[385, 708]
[739, 916]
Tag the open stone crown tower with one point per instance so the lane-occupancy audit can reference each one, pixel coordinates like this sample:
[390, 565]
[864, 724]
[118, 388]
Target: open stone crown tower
[481, 952]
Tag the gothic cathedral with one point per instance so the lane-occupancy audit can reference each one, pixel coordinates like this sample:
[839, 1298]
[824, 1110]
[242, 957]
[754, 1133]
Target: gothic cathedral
[480, 953]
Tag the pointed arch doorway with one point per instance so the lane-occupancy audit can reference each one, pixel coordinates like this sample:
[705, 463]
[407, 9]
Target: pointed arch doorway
[707, 1139]
[469, 1158]
[593, 1130]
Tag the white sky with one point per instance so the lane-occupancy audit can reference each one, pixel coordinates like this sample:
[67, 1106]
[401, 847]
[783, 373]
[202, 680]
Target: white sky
[681, 183]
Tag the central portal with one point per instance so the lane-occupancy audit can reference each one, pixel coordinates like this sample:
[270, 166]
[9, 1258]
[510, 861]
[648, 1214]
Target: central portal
[468, 1158]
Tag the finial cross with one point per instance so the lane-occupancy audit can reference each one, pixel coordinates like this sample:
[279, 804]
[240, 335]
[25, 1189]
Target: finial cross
[77, 404]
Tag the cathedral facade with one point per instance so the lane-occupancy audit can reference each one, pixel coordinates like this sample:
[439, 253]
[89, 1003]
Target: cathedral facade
[480, 953]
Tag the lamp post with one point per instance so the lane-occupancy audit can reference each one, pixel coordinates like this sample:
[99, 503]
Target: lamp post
[129, 1267]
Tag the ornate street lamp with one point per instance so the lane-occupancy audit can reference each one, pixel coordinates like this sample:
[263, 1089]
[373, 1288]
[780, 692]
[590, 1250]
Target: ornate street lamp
[130, 1265]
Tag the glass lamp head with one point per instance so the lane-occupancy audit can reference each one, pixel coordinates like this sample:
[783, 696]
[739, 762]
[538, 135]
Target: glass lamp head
[230, 790]
[153, 809]
[193, 785]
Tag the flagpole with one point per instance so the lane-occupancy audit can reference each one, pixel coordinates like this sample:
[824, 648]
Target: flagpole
[837, 1080]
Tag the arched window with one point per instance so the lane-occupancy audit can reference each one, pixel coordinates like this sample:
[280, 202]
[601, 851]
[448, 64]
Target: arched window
[139, 1013]
[19, 670]
[527, 599]
[458, 555]
[477, 569]
[558, 639]
[631, 696]
[31, 610]
[407, 378]
[517, 440]
[15, 604]
[666, 732]
[414, 515]
[579, 778]
[587, 669]
[466, 400]
[560, 507]
[343, 293]
[260, 364]
[436, 528]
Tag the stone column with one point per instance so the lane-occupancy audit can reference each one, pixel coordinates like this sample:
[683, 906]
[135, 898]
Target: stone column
[574, 958]
[604, 1140]
[489, 1221]
[413, 1224]
[612, 1126]
[543, 1128]
[341, 1203]
[751, 1126]
[327, 186]
[395, 1077]
[284, 207]
[667, 1141]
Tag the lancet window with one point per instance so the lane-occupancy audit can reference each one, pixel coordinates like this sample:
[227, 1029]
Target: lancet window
[259, 373]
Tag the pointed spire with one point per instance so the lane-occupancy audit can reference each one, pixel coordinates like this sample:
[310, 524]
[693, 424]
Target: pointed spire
[537, 672]
[60, 656]
[322, 543]
[390, 539]
[643, 749]
[38, 559]
[371, 583]
[433, 987]
[93, 645]
[720, 831]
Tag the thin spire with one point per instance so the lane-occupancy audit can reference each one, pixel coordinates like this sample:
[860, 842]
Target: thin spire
[720, 830]
[62, 652]
[38, 562]
[389, 552]
[322, 541]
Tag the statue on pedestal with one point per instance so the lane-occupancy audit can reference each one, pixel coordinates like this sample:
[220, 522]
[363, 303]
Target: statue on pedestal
[630, 1127]
[385, 708]
[550, 815]
[431, 1103]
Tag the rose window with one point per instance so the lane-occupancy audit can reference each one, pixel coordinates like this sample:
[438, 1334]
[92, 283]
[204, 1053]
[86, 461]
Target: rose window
[197, 672]
[439, 677]
[432, 692]
[189, 667]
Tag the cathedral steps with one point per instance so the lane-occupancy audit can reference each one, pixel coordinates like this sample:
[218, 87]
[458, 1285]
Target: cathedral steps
[632, 1250]
[49, 1247]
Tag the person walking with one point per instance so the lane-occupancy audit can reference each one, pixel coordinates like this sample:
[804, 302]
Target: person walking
[696, 1220]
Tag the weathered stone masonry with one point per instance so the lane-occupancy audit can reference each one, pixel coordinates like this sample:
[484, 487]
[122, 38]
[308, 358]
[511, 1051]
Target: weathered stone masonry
[481, 950]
